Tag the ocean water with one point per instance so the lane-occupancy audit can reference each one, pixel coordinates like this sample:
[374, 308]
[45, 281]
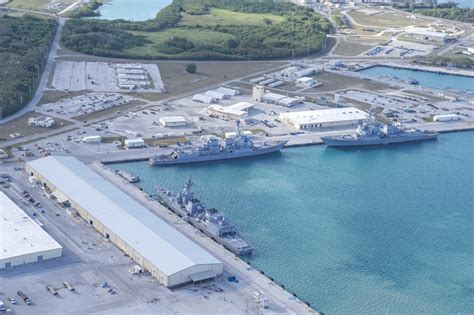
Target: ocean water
[132, 10]
[425, 78]
[364, 231]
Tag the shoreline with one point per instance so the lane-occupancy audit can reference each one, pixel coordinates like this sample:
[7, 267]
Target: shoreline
[311, 140]
[254, 278]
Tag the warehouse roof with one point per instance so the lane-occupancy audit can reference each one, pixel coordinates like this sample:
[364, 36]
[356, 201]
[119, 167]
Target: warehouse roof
[159, 243]
[425, 32]
[173, 119]
[19, 234]
[324, 115]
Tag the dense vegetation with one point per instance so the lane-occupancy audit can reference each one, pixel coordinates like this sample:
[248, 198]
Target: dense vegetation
[448, 11]
[456, 14]
[205, 29]
[88, 9]
[24, 46]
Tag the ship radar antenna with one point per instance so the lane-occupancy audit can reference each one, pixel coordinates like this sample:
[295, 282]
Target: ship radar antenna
[237, 123]
[189, 183]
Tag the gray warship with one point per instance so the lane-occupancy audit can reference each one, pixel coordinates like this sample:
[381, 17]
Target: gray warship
[210, 221]
[214, 149]
[371, 132]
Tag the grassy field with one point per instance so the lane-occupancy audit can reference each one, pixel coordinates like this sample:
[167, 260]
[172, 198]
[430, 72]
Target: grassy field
[158, 38]
[386, 19]
[34, 4]
[355, 46]
[229, 18]
[333, 82]
[190, 28]
[19, 125]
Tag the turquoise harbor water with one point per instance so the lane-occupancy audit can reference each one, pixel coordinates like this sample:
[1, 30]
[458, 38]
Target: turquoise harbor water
[133, 10]
[425, 78]
[372, 230]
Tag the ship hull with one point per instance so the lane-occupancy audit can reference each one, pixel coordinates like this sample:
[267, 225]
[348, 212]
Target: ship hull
[236, 244]
[344, 142]
[218, 157]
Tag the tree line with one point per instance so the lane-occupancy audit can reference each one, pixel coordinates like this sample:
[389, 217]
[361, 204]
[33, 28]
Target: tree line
[302, 32]
[24, 47]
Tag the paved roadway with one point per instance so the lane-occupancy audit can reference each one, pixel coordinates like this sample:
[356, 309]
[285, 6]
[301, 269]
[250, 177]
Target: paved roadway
[46, 73]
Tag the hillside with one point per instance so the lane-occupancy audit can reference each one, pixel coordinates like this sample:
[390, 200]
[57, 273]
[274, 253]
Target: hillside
[205, 29]
[24, 44]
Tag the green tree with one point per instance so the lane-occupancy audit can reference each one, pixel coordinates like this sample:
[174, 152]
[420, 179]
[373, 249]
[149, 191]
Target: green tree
[191, 68]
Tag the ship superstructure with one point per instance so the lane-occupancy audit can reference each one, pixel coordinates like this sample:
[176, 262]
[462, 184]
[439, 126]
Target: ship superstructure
[372, 132]
[214, 148]
[210, 221]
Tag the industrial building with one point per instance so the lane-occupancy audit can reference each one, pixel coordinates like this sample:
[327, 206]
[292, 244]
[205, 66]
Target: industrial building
[41, 121]
[236, 111]
[306, 82]
[131, 76]
[173, 121]
[167, 254]
[446, 117]
[324, 118]
[22, 240]
[260, 95]
[227, 91]
[427, 35]
[134, 143]
[203, 98]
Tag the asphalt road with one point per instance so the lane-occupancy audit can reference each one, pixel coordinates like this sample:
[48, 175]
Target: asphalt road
[46, 73]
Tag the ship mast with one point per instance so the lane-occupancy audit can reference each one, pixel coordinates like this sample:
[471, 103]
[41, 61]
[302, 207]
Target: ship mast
[237, 123]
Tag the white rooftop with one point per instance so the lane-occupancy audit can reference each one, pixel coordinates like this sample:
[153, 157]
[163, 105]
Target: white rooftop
[159, 243]
[325, 115]
[173, 119]
[226, 110]
[424, 31]
[19, 234]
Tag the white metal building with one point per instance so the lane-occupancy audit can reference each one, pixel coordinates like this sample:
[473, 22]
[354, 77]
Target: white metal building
[173, 121]
[227, 91]
[424, 34]
[168, 255]
[306, 82]
[203, 98]
[134, 143]
[41, 121]
[236, 111]
[22, 240]
[324, 118]
[446, 117]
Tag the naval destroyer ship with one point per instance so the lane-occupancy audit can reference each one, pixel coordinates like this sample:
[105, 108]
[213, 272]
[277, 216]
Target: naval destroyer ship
[214, 148]
[371, 132]
[211, 222]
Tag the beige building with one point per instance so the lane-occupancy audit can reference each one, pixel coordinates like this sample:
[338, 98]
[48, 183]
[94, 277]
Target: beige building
[168, 255]
[324, 118]
[22, 240]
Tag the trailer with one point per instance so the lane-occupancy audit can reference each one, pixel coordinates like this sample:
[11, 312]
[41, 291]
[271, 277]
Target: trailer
[51, 289]
[25, 298]
[68, 286]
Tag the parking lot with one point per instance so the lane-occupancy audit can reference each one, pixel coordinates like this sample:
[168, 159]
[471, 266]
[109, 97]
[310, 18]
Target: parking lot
[99, 272]
[97, 76]
[86, 104]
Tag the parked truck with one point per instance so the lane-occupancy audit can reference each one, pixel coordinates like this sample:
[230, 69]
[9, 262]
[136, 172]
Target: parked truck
[25, 298]
[68, 286]
[51, 289]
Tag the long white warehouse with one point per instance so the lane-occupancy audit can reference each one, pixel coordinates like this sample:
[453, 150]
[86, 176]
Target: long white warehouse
[22, 240]
[324, 118]
[167, 254]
